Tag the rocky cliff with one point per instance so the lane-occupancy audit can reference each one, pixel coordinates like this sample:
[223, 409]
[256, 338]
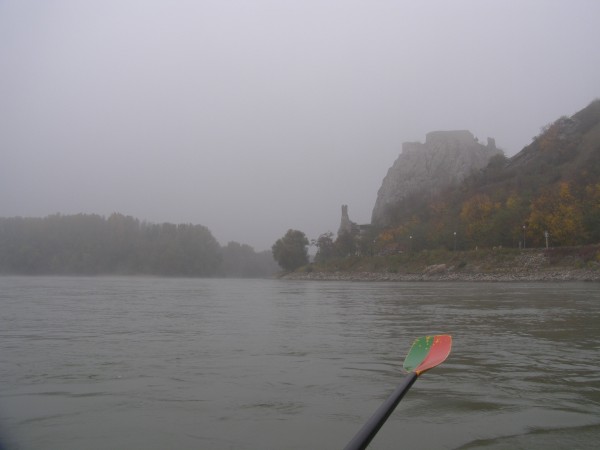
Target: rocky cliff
[446, 158]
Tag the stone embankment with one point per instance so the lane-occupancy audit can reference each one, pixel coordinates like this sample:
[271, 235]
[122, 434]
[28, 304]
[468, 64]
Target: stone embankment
[546, 275]
[526, 267]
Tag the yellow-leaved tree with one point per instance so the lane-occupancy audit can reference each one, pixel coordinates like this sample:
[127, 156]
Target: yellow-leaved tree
[476, 214]
[560, 213]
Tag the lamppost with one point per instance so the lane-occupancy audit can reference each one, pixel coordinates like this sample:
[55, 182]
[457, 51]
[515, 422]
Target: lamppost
[523, 236]
[546, 235]
[410, 237]
[455, 241]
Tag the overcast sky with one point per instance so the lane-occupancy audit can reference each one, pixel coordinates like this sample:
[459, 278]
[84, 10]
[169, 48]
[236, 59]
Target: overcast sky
[252, 117]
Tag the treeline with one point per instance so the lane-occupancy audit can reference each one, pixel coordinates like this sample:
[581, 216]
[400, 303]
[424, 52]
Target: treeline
[561, 214]
[94, 245]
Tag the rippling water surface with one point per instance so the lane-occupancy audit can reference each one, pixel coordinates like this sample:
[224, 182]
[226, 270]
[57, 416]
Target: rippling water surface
[149, 363]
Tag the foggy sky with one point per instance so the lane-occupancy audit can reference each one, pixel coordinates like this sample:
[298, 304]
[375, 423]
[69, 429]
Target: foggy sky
[252, 117]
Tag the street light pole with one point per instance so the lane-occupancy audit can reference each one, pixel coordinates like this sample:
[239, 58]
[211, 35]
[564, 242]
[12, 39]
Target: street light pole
[523, 236]
[455, 241]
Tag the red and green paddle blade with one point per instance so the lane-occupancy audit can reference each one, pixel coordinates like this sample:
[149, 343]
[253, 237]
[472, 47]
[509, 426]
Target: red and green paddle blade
[427, 352]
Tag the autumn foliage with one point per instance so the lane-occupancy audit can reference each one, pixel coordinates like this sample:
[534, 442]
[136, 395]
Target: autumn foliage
[551, 188]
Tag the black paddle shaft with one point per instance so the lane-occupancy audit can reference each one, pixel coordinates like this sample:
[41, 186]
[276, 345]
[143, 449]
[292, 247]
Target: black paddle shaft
[370, 429]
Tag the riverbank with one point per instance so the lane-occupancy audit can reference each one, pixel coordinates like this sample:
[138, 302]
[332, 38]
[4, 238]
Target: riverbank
[557, 275]
[572, 264]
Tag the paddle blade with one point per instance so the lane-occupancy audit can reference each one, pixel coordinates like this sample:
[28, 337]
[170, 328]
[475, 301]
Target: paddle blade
[427, 352]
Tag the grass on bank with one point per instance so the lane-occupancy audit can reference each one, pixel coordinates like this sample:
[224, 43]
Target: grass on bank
[481, 260]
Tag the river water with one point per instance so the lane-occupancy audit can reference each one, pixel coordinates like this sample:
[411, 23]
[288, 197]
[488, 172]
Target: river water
[153, 363]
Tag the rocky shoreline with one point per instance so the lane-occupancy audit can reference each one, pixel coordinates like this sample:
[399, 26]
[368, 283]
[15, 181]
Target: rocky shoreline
[524, 267]
[544, 275]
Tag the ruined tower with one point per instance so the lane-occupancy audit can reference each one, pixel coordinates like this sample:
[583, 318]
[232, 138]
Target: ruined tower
[346, 225]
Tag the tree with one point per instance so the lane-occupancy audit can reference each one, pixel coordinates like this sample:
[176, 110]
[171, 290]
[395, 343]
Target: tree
[91, 244]
[291, 251]
[591, 212]
[476, 214]
[560, 213]
[325, 247]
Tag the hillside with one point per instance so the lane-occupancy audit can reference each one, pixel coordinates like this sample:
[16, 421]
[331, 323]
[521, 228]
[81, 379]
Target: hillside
[552, 185]
[567, 149]
[534, 216]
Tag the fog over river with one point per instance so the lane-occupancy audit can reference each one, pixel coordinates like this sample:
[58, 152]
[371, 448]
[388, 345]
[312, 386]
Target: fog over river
[155, 363]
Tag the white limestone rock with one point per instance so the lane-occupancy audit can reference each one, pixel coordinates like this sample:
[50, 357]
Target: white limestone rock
[446, 158]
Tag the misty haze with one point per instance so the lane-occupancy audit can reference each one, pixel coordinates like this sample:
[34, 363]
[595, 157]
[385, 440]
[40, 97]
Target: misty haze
[223, 224]
[251, 118]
